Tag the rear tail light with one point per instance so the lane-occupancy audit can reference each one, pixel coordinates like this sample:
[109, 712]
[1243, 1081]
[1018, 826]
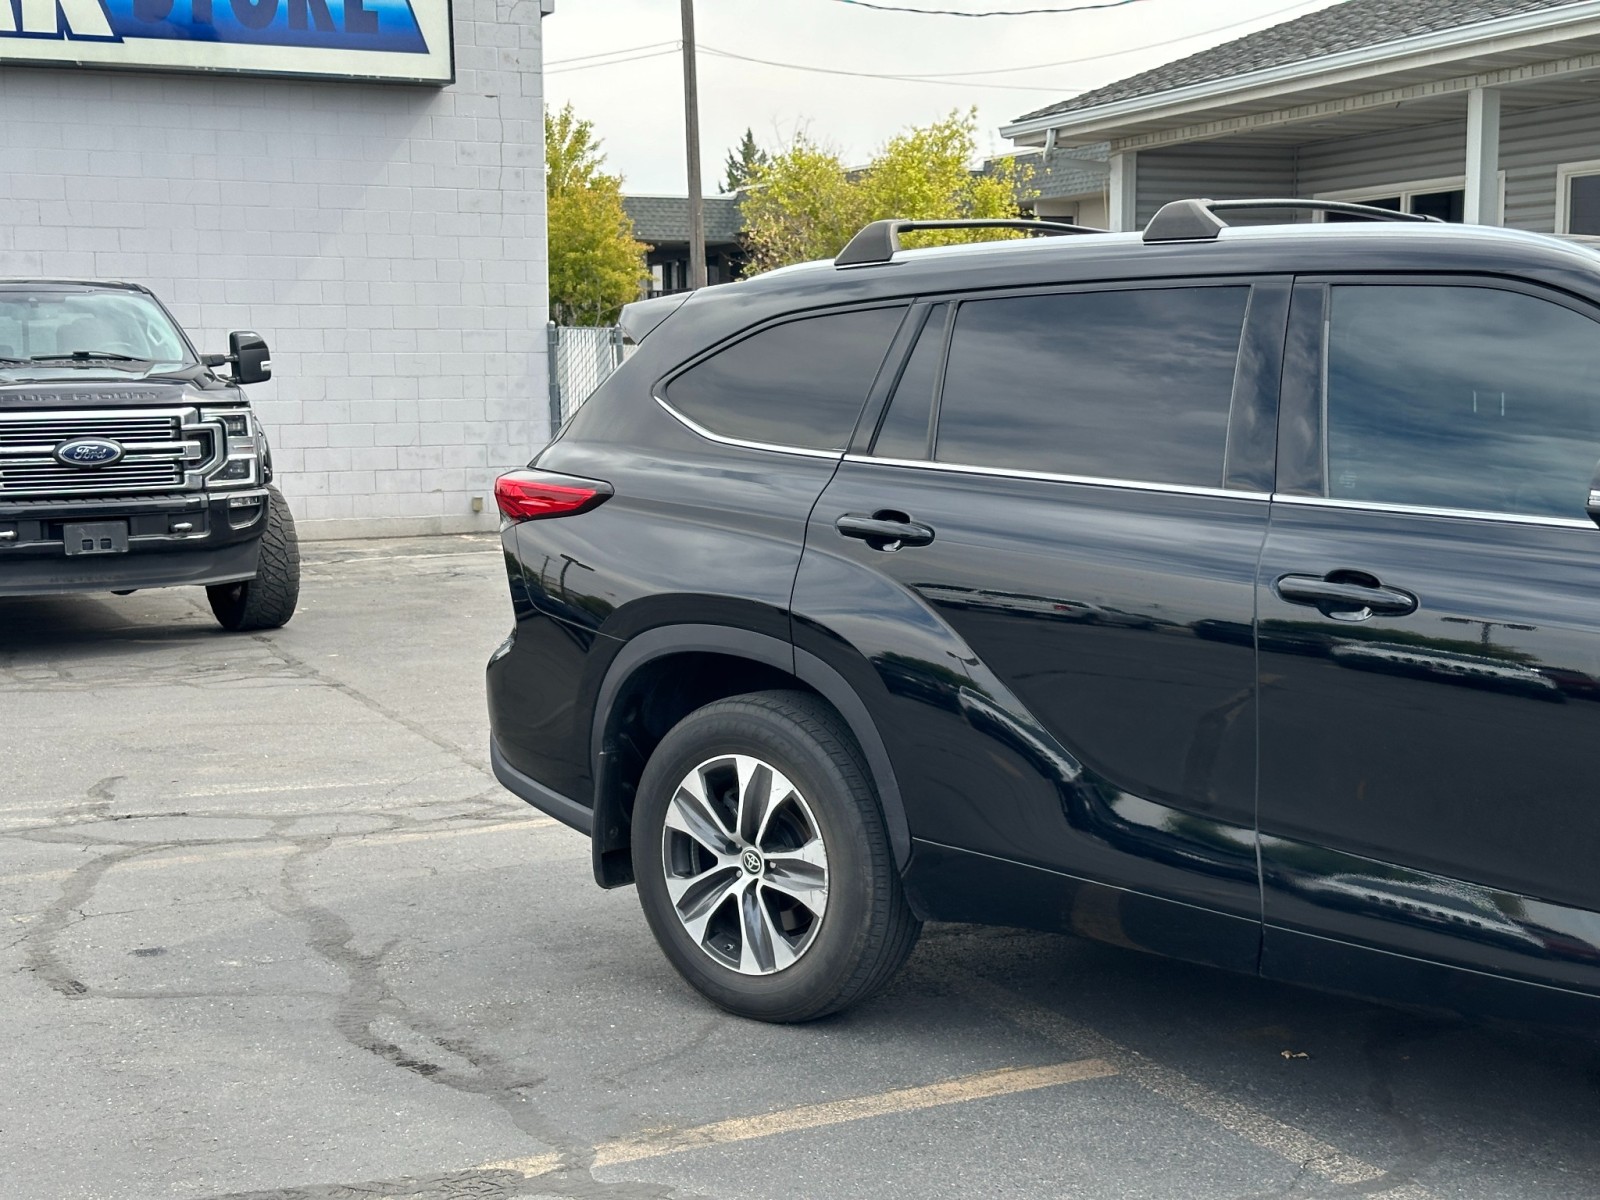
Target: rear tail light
[529, 495]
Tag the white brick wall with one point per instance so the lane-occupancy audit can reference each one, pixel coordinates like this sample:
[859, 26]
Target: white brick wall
[387, 240]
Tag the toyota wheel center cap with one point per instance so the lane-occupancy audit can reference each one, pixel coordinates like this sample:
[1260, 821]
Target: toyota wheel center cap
[752, 862]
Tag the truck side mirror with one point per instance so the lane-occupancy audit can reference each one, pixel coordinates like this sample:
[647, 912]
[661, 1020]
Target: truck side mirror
[252, 361]
[248, 355]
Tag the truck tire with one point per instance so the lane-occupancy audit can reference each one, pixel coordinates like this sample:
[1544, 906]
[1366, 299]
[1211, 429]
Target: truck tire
[763, 864]
[268, 600]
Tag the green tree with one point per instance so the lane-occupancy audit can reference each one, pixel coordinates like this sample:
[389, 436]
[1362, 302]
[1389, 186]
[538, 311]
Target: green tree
[743, 162]
[799, 206]
[596, 264]
[925, 173]
[804, 204]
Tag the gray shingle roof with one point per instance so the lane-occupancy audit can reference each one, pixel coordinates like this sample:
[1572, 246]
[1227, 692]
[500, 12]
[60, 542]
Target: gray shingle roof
[1062, 172]
[658, 219]
[1353, 25]
[1054, 173]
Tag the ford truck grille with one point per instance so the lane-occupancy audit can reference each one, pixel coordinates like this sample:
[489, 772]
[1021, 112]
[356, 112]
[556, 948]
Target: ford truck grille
[129, 428]
[162, 451]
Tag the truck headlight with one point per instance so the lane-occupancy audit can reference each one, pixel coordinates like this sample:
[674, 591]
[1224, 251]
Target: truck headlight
[235, 471]
[241, 465]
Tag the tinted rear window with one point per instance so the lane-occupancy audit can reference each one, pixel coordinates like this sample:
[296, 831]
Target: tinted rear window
[801, 384]
[1129, 385]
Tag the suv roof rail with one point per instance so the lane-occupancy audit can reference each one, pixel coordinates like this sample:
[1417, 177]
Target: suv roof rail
[1197, 220]
[877, 242]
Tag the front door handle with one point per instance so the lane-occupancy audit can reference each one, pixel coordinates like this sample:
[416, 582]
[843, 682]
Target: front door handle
[1346, 595]
[884, 529]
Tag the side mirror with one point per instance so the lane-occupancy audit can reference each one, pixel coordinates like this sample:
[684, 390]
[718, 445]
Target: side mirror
[1593, 506]
[252, 361]
[247, 351]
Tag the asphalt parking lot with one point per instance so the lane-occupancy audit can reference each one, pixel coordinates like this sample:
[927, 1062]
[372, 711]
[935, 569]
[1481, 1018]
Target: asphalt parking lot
[269, 928]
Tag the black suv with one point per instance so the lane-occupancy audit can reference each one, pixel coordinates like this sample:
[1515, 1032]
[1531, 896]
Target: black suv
[127, 463]
[1228, 593]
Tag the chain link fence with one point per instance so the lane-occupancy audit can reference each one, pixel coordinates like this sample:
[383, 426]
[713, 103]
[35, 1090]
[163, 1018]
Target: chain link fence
[581, 359]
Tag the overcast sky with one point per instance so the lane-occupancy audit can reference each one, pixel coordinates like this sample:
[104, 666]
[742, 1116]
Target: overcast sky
[637, 106]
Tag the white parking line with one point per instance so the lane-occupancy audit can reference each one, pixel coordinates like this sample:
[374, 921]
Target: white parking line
[389, 558]
[161, 857]
[1008, 1081]
[210, 793]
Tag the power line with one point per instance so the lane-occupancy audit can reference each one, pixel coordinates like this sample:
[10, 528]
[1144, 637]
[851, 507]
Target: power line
[965, 83]
[616, 62]
[1009, 12]
[557, 62]
[627, 54]
[675, 47]
[1071, 62]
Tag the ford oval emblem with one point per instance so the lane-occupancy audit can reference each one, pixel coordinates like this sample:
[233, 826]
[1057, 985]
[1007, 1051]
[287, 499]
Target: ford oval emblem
[89, 452]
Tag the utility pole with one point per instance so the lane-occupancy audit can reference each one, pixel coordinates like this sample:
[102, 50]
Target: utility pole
[691, 118]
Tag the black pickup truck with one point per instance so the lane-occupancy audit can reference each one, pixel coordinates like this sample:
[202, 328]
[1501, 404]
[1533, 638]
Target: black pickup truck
[127, 462]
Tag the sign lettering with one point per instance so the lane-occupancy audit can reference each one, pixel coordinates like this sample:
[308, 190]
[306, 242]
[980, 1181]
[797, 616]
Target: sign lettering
[375, 39]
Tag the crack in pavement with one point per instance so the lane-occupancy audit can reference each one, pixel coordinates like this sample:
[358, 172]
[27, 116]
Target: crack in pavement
[41, 957]
[433, 1051]
[306, 670]
[368, 999]
[365, 1009]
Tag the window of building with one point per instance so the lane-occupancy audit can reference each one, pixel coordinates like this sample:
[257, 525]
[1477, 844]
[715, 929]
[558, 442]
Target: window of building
[799, 384]
[1461, 397]
[1578, 199]
[1442, 198]
[1132, 385]
[907, 426]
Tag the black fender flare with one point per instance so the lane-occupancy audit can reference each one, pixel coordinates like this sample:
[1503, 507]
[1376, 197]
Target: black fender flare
[665, 640]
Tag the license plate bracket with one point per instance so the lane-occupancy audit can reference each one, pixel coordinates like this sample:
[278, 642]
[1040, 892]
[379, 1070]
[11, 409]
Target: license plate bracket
[98, 537]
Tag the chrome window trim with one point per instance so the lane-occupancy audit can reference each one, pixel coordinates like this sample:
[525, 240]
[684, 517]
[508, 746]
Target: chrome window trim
[1421, 510]
[1136, 485]
[720, 439]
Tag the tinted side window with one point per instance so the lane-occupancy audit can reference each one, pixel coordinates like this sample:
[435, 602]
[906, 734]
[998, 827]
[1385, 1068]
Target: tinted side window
[1122, 385]
[904, 432]
[798, 384]
[1461, 397]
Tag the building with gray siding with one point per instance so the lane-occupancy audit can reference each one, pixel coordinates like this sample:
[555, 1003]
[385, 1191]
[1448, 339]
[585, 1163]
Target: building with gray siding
[1486, 111]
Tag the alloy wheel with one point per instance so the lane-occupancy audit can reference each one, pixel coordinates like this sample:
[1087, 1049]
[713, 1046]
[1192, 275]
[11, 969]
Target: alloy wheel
[746, 868]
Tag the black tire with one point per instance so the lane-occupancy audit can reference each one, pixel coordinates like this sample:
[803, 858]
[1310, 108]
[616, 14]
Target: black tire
[268, 600]
[866, 929]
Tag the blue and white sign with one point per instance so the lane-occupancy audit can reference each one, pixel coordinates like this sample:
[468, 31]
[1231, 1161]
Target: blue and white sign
[406, 40]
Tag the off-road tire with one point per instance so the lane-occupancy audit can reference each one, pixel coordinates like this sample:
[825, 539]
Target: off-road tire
[867, 928]
[268, 600]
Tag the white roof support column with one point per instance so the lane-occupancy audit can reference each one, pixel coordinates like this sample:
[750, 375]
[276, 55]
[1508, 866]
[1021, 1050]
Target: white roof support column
[1122, 209]
[1483, 157]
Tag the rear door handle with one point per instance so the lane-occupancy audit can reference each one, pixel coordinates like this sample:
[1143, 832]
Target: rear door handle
[1346, 595]
[884, 530]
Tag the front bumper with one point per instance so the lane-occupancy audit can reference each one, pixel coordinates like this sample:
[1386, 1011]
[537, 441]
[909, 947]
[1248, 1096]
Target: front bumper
[173, 540]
